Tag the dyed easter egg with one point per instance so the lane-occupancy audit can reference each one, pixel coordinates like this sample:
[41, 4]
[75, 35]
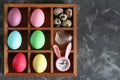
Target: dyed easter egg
[14, 40]
[37, 18]
[19, 62]
[39, 63]
[37, 39]
[14, 17]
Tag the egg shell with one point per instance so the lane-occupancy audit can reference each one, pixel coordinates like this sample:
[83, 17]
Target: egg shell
[37, 39]
[39, 63]
[37, 18]
[14, 40]
[14, 17]
[19, 62]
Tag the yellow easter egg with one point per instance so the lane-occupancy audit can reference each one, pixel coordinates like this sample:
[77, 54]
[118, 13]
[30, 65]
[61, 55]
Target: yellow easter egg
[39, 63]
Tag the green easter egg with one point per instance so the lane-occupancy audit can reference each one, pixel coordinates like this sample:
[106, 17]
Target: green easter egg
[39, 63]
[37, 39]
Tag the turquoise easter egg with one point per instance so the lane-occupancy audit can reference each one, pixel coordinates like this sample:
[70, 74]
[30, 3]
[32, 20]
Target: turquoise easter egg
[14, 40]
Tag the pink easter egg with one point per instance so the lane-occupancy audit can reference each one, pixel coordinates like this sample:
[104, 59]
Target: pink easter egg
[37, 18]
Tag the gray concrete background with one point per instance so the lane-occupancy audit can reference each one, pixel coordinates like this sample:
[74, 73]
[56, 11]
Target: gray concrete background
[98, 39]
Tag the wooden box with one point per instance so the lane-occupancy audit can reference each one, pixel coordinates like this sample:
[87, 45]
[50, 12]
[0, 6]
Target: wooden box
[49, 30]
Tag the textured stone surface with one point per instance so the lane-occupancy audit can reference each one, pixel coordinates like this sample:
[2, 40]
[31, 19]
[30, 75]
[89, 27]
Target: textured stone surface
[98, 39]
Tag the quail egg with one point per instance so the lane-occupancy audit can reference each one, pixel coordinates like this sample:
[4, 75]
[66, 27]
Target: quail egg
[57, 11]
[67, 23]
[69, 13]
[57, 22]
[63, 16]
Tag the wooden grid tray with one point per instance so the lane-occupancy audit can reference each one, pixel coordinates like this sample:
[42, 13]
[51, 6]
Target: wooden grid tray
[25, 28]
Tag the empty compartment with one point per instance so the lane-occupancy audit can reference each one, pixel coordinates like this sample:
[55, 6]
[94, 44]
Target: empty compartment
[60, 17]
[47, 44]
[70, 57]
[47, 15]
[24, 35]
[24, 19]
[62, 38]
[47, 56]
[11, 56]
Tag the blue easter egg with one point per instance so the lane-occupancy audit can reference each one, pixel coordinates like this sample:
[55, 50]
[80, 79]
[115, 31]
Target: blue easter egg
[14, 40]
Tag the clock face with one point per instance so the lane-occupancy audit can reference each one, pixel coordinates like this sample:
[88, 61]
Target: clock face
[63, 64]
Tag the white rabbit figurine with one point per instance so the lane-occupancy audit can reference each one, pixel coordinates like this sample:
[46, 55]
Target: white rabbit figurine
[62, 63]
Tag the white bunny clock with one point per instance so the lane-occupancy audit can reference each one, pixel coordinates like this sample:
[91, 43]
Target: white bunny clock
[62, 63]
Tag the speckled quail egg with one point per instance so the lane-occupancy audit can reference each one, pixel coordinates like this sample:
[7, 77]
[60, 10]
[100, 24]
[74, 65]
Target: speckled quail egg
[57, 22]
[63, 16]
[67, 23]
[57, 11]
[69, 12]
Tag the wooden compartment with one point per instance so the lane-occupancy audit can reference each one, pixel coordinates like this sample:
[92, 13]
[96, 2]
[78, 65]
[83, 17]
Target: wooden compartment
[64, 8]
[24, 34]
[63, 47]
[47, 55]
[10, 58]
[47, 14]
[49, 30]
[71, 58]
[24, 13]
[47, 40]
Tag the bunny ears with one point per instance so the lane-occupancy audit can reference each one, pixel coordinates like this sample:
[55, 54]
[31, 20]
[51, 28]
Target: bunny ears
[57, 50]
